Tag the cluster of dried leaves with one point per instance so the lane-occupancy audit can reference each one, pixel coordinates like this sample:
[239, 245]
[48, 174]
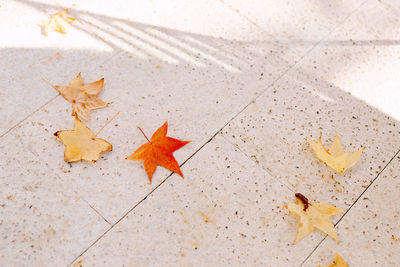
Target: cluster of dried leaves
[82, 144]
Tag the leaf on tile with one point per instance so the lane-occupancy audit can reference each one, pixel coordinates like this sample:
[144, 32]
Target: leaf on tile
[338, 262]
[82, 96]
[158, 152]
[57, 22]
[81, 143]
[313, 216]
[335, 157]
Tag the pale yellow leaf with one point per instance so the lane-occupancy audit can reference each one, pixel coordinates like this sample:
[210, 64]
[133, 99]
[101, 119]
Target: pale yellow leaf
[81, 144]
[335, 157]
[314, 216]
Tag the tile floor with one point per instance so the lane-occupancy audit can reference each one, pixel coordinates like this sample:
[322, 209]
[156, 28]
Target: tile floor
[247, 82]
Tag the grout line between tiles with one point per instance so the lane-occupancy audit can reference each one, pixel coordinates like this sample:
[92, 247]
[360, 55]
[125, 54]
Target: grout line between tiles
[260, 165]
[95, 210]
[73, 190]
[33, 112]
[365, 190]
[373, 181]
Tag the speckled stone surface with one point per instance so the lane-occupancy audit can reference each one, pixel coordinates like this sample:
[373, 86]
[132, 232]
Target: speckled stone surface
[245, 82]
[227, 211]
[42, 220]
[370, 232]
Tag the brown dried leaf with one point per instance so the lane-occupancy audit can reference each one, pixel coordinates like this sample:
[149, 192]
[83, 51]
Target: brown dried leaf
[83, 96]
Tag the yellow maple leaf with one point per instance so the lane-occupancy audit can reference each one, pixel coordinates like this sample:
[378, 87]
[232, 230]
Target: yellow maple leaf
[335, 157]
[57, 22]
[313, 216]
[83, 96]
[338, 262]
[81, 144]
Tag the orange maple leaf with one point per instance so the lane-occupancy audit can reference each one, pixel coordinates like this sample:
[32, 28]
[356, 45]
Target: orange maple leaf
[158, 152]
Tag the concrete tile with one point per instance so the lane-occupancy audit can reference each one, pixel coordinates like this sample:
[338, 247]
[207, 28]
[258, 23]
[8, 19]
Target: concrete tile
[273, 132]
[227, 211]
[370, 231]
[299, 24]
[42, 219]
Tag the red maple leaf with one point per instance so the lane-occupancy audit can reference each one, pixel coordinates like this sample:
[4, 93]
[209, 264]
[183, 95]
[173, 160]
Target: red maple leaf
[158, 152]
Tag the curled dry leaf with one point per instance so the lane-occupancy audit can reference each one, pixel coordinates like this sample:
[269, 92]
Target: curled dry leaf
[315, 216]
[83, 96]
[338, 262]
[57, 22]
[158, 152]
[81, 144]
[335, 157]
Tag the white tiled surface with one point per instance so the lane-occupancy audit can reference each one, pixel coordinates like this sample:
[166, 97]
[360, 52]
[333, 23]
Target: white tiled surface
[198, 65]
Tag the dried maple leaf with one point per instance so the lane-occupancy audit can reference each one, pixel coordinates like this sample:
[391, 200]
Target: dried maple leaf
[81, 144]
[313, 216]
[158, 152]
[57, 22]
[338, 262]
[335, 157]
[83, 96]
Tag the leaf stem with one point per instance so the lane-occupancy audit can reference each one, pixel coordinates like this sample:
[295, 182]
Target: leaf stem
[110, 120]
[144, 134]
